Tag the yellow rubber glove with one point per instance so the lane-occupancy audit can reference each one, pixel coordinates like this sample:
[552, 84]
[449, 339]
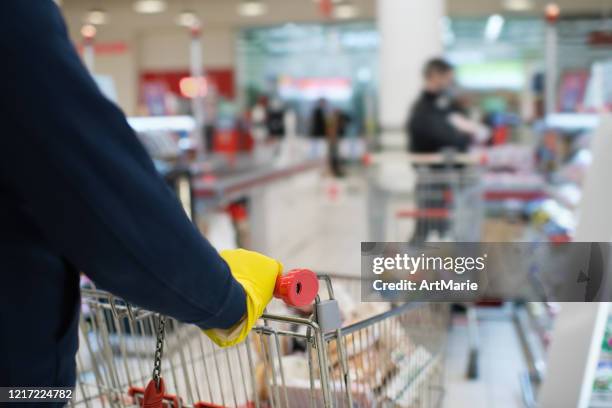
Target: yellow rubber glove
[257, 274]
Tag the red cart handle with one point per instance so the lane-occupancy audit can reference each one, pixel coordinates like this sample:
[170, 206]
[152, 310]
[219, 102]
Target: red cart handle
[298, 287]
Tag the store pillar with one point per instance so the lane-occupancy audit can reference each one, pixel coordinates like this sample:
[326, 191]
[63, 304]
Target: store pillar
[410, 34]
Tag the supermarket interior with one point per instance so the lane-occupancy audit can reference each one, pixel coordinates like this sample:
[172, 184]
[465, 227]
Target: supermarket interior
[301, 129]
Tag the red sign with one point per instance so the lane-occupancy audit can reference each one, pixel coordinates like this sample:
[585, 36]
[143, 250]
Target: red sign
[221, 79]
[600, 38]
[107, 48]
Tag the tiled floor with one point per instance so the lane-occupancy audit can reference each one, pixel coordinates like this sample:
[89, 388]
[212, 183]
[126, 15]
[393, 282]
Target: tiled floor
[341, 228]
[337, 249]
[500, 364]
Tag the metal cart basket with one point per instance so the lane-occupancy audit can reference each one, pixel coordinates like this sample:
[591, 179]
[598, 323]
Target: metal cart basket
[439, 195]
[311, 358]
[447, 201]
[441, 198]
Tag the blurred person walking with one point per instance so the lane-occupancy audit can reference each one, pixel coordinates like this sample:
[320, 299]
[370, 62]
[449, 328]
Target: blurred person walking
[328, 126]
[319, 127]
[275, 120]
[319, 120]
[338, 123]
[259, 120]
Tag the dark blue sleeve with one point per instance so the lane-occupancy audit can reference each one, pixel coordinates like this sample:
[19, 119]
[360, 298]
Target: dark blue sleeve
[85, 179]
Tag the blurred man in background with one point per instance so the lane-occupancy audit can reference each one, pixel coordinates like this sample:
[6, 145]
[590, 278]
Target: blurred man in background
[323, 126]
[276, 118]
[437, 123]
[318, 120]
[437, 120]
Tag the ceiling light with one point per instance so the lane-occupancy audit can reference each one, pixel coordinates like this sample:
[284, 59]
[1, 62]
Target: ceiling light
[192, 87]
[552, 12]
[333, 1]
[345, 11]
[96, 17]
[494, 27]
[252, 8]
[187, 19]
[518, 5]
[150, 6]
[88, 31]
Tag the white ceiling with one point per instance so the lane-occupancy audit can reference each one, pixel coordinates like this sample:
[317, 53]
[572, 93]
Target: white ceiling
[568, 7]
[222, 13]
[307, 9]
[211, 12]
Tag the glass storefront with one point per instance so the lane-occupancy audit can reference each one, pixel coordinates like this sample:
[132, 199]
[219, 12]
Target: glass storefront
[301, 63]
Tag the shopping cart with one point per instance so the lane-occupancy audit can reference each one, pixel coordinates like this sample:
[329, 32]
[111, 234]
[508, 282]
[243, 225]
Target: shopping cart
[426, 197]
[313, 356]
[447, 203]
[449, 206]
[439, 197]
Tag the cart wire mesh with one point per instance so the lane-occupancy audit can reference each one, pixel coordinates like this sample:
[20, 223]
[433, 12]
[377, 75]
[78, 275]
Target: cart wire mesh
[386, 355]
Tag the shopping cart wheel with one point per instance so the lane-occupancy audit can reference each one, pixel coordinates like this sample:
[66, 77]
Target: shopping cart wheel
[298, 287]
[472, 370]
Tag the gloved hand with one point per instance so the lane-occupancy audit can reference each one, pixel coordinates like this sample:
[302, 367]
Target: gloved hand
[257, 274]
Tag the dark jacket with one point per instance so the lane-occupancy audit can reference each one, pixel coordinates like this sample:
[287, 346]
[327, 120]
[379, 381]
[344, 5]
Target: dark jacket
[78, 192]
[276, 123]
[429, 128]
[318, 123]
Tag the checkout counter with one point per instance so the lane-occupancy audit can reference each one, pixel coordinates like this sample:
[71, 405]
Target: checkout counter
[279, 200]
[273, 188]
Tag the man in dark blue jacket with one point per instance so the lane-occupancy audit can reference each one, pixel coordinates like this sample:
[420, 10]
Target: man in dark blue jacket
[431, 127]
[79, 193]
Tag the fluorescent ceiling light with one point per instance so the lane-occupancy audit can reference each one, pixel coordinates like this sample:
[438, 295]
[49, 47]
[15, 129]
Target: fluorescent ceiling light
[187, 19]
[252, 8]
[518, 5]
[345, 11]
[96, 17]
[333, 1]
[150, 6]
[494, 27]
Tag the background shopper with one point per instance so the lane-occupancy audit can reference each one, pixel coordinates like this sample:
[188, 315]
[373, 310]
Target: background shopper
[438, 122]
